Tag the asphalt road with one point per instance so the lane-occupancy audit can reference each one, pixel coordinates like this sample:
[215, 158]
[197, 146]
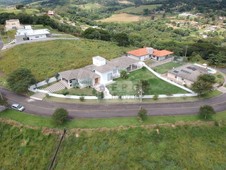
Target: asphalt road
[114, 110]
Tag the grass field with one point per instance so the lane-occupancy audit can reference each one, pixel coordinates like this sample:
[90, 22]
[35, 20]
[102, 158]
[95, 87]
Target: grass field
[45, 59]
[17, 11]
[42, 121]
[166, 67]
[156, 85]
[123, 17]
[137, 10]
[177, 148]
[182, 147]
[90, 6]
[23, 148]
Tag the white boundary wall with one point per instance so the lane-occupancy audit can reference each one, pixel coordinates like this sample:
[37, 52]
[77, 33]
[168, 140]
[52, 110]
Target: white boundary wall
[34, 89]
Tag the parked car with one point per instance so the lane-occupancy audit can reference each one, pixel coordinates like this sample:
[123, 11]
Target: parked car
[18, 107]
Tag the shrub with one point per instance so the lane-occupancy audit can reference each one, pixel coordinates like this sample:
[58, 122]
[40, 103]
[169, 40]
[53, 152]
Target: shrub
[65, 92]
[206, 112]
[124, 74]
[142, 114]
[100, 95]
[82, 98]
[94, 92]
[60, 116]
[155, 97]
[3, 100]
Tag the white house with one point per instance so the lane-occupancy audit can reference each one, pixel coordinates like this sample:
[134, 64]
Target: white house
[101, 71]
[27, 33]
[147, 53]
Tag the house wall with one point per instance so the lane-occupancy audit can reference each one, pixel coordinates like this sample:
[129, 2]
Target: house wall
[19, 38]
[33, 37]
[141, 58]
[159, 58]
[104, 77]
[12, 25]
[179, 80]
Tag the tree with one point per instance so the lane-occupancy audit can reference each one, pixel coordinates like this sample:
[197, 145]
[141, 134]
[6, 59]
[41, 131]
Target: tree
[142, 114]
[146, 11]
[60, 116]
[122, 39]
[204, 84]
[206, 112]
[20, 79]
[124, 74]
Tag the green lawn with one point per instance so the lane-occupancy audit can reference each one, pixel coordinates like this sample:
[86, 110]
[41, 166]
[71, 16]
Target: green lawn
[23, 148]
[156, 85]
[138, 10]
[166, 67]
[77, 91]
[186, 147]
[45, 59]
[42, 121]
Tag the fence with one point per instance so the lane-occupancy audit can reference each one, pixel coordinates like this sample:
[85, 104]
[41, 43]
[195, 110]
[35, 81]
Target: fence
[34, 89]
[168, 60]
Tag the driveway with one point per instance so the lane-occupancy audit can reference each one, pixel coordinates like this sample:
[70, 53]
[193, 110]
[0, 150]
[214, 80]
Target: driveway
[114, 110]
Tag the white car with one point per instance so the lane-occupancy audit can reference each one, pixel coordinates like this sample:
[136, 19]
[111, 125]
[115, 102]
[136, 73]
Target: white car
[18, 107]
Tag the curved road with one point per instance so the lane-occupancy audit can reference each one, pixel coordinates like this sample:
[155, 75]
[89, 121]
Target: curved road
[114, 110]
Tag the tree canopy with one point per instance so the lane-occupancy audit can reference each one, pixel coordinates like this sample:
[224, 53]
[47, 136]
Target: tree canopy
[204, 84]
[60, 116]
[20, 79]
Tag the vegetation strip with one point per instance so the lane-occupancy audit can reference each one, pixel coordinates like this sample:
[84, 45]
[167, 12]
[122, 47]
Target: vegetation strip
[52, 164]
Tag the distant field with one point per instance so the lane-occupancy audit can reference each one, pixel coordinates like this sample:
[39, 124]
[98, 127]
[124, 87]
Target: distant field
[45, 59]
[17, 11]
[177, 148]
[138, 10]
[123, 17]
[22, 148]
[90, 6]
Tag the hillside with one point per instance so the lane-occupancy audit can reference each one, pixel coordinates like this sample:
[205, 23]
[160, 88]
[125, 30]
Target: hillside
[181, 147]
[45, 59]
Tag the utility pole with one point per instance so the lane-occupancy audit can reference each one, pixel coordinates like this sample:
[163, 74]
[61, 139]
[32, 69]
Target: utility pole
[186, 50]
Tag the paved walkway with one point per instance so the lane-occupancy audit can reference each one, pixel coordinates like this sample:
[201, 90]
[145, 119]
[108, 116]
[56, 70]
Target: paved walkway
[52, 88]
[55, 87]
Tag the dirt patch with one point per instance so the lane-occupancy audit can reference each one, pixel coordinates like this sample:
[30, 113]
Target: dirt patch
[123, 17]
[1, 74]
[45, 131]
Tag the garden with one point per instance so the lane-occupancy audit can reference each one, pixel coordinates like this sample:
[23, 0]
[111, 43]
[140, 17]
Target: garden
[155, 86]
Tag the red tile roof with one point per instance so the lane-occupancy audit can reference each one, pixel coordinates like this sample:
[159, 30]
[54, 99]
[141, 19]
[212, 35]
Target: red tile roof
[162, 53]
[139, 52]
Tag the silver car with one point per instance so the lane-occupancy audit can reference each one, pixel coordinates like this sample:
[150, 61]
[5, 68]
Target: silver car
[18, 107]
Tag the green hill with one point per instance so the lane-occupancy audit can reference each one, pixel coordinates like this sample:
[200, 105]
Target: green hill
[45, 59]
[181, 147]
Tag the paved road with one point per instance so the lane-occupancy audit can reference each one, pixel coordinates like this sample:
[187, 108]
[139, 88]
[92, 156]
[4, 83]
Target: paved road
[114, 110]
[8, 46]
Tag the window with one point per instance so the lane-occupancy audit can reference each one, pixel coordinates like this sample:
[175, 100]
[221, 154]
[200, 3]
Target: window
[109, 76]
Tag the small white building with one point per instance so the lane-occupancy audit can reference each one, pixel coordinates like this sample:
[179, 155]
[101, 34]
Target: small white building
[50, 13]
[12, 24]
[27, 33]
